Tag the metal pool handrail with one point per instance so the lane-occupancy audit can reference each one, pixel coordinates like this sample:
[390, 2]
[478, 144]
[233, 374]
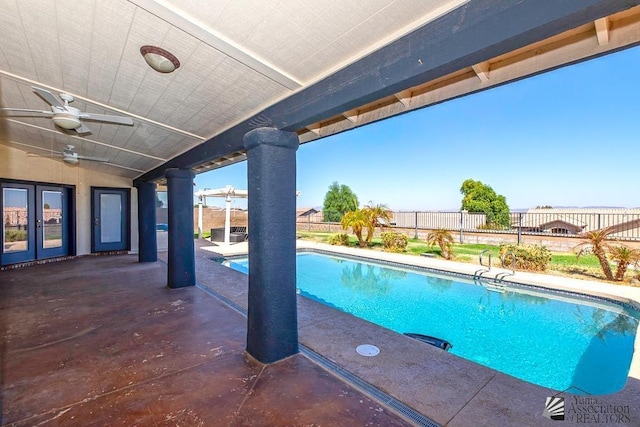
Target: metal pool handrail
[481, 271]
[501, 276]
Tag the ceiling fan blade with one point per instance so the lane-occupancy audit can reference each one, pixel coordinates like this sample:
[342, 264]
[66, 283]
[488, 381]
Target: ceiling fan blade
[82, 130]
[27, 110]
[94, 159]
[48, 97]
[121, 120]
[50, 154]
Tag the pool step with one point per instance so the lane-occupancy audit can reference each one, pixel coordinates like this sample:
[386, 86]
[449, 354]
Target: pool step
[495, 287]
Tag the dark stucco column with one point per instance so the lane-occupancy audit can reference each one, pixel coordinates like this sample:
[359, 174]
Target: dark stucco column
[272, 317]
[181, 262]
[147, 241]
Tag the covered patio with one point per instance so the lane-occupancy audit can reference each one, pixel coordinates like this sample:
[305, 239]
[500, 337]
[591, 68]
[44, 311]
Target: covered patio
[238, 81]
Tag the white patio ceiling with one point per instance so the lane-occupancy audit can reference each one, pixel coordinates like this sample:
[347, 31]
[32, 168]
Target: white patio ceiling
[237, 58]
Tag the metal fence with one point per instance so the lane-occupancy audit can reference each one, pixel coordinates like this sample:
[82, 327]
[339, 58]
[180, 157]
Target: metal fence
[552, 222]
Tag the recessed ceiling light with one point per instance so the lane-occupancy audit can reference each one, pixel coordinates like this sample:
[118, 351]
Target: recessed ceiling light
[159, 59]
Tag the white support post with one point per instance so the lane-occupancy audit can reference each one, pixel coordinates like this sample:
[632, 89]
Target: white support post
[227, 222]
[200, 217]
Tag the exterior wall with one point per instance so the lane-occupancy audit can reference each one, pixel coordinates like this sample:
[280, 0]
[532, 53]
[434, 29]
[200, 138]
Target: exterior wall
[214, 218]
[15, 164]
[211, 218]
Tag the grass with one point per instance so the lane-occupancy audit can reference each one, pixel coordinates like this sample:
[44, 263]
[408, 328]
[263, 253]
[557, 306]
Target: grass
[586, 266]
[562, 263]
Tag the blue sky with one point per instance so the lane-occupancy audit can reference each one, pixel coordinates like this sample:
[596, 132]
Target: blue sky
[569, 137]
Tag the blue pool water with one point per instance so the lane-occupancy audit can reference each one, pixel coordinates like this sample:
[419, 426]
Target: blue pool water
[547, 339]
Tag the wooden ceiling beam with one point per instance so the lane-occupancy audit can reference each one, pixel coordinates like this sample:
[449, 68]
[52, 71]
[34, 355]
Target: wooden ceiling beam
[602, 30]
[482, 71]
[351, 115]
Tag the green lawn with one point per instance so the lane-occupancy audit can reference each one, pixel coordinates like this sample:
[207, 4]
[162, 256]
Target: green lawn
[561, 263]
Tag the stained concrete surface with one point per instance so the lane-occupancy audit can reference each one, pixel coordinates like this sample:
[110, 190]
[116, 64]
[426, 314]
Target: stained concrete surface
[101, 341]
[443, 387]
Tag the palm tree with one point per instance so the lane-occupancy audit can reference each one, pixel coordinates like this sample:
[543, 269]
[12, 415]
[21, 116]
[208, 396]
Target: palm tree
[357, 220]
[442, 238]
[623, 257]
[596, 242]
[379, 215]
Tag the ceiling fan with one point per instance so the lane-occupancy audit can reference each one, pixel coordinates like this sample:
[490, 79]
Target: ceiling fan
[69, 155]
[67, 117]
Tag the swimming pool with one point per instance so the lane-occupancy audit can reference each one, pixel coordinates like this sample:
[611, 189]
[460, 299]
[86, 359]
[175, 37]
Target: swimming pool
[554, 340]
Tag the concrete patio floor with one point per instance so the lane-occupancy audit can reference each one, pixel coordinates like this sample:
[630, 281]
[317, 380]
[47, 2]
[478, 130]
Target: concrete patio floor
[102, 341]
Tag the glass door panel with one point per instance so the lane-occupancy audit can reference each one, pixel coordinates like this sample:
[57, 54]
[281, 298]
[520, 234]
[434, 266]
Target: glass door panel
[51, 222]
[110, 218]
[15, 213]
[18, 229]
[52, 219]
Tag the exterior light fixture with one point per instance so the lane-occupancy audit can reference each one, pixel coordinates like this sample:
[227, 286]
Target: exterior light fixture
[159, 59]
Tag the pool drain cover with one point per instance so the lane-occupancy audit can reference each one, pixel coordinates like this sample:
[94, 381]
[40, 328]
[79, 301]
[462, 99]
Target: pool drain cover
[367, 350]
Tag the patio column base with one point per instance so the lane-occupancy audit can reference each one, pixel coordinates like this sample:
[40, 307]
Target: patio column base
[181, 262]
[272, 323]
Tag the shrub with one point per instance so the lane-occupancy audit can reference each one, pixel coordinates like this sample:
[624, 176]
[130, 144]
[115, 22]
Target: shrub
[394, 242]
[491, 226]
[15, 235]
[529, 258]
[339, 239]
[444, 240]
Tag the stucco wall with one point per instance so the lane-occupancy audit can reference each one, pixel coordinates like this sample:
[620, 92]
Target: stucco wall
[214, 218]
[15, 164]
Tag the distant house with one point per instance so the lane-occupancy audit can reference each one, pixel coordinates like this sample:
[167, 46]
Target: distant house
[546, 224]
[574, 221]
[303, 214]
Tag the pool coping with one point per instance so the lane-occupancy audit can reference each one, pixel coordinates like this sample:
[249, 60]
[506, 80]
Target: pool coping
[467, 390]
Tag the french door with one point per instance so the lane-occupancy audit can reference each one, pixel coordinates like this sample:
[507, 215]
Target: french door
[35, 223]
[110, 212]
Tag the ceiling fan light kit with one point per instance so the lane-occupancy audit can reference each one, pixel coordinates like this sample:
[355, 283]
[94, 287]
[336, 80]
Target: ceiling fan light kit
[67, 121]
[159, 59]
[69, 155]
[73, 160]
[66, 117]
